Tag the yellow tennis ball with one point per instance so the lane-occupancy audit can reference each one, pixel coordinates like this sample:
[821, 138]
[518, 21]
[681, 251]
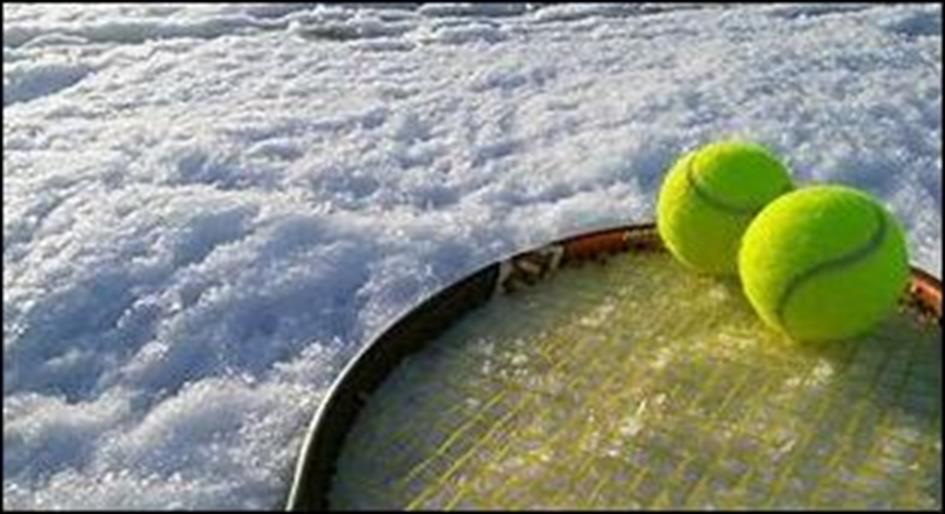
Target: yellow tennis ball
[823, 262]
[709, 197]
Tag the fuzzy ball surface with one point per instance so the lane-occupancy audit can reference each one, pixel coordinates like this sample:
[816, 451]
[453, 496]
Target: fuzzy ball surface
[824, 263]
[709, 197]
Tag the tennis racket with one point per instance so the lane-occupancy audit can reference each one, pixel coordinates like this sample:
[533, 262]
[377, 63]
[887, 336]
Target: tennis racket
[595, 372]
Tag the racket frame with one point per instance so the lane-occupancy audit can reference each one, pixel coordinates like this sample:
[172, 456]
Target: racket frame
[422, 324]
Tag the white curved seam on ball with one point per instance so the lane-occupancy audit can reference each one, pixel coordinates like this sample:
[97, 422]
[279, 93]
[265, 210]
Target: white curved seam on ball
[720, 204]
[879, 235]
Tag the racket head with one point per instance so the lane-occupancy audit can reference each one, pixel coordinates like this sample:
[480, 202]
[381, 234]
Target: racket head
[653, 458]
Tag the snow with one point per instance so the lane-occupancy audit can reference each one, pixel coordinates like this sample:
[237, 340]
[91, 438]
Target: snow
[207, 209]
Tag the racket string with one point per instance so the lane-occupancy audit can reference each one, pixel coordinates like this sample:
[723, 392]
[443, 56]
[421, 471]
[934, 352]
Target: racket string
[613, 397]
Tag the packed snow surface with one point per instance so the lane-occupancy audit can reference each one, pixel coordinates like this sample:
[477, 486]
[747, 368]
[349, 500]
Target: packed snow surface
[208, 209]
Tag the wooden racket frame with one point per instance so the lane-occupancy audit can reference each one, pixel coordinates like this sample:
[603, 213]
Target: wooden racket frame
[423, 323]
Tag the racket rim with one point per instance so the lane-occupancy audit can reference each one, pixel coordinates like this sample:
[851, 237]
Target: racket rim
[924, 293]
